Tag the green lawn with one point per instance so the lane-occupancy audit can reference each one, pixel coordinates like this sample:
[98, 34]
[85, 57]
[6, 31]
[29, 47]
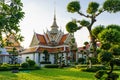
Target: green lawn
[48, 74]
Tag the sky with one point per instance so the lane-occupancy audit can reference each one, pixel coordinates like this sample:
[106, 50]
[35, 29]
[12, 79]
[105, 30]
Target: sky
[39, 17]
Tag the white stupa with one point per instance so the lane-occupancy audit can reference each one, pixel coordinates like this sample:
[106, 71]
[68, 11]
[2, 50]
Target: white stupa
[3, 51]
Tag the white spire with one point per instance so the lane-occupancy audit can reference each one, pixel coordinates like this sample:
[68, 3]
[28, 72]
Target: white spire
[54, 27]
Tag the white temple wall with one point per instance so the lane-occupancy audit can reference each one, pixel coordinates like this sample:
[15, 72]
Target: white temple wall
[31, 56]
[4, 59]
[41, 57]
[51, 58]
[37, 58]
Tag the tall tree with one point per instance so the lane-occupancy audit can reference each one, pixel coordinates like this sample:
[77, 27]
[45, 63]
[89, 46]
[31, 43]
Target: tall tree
[93, 11]
[10, 16]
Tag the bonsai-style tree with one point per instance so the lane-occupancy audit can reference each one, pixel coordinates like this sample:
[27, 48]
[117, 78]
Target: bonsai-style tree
[110, 50]
[88, 51]
[97, 30]
[93, 11]
[10, 16]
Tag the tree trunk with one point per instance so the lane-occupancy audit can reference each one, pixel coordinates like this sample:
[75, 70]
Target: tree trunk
[90, 64]
[94, 46]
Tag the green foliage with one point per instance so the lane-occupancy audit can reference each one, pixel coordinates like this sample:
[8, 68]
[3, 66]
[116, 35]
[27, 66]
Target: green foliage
[117, 62]
[100, 73]
[105, 36]
[115, 50]
[94, 60]
[71, 27]
[19, 37]
[113, 26]
[105, 46]
[4, 68]
[25, 65]
[5, 65]
[10, 17]
[92, 7]
[112, 6]
[31, 63]
[80, 66]
[98, 50]
[93, 69]
[112, 76]
[110, 36]
[81, 60]
[97, 30]
[84, 23]
[73, 40]
[105, 56]
[86, 43]
[73, 6]
[110, 39]
[51, 66]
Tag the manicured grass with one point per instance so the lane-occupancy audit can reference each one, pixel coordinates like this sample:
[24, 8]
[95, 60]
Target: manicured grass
[48, 74]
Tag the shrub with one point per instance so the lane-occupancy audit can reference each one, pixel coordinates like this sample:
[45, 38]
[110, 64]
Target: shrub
[112, 76]
[25, 65]
[94, 60]
[80, 66]
[117, 62]
[81, 60]
[51, 66]
[13, 66]
[5, 65]
[31, 63]
[43, 62]
[94, 69]
[36, 67]
[4, 69]
[99, 74]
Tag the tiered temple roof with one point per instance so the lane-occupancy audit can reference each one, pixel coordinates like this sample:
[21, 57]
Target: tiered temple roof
[53, 41]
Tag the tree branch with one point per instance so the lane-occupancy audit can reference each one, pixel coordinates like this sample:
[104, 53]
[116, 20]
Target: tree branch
[80, 27]
[99, 13]
[87, 16]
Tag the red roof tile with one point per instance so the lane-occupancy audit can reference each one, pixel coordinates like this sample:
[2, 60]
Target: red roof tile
[47, 37]
[51, 50]
[30, 50]
[41, 39]
[63, 39]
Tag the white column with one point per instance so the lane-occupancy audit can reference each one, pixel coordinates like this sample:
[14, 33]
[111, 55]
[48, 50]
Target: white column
[64, 48]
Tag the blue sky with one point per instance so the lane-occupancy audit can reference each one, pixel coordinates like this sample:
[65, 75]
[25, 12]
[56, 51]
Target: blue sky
[39, 17]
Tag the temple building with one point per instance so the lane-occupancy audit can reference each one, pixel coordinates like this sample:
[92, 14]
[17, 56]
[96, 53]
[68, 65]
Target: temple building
[55, 42]
[4, 56]
[12, 49]
[13, 43]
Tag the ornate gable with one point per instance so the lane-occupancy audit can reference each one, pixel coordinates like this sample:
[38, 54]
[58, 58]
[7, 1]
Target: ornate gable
[64, 37]
[34, 41]
[13, 43]
[12, 39]
[41, 39]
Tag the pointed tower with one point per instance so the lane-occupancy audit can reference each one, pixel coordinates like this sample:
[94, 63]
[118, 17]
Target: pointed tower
[54, 27]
